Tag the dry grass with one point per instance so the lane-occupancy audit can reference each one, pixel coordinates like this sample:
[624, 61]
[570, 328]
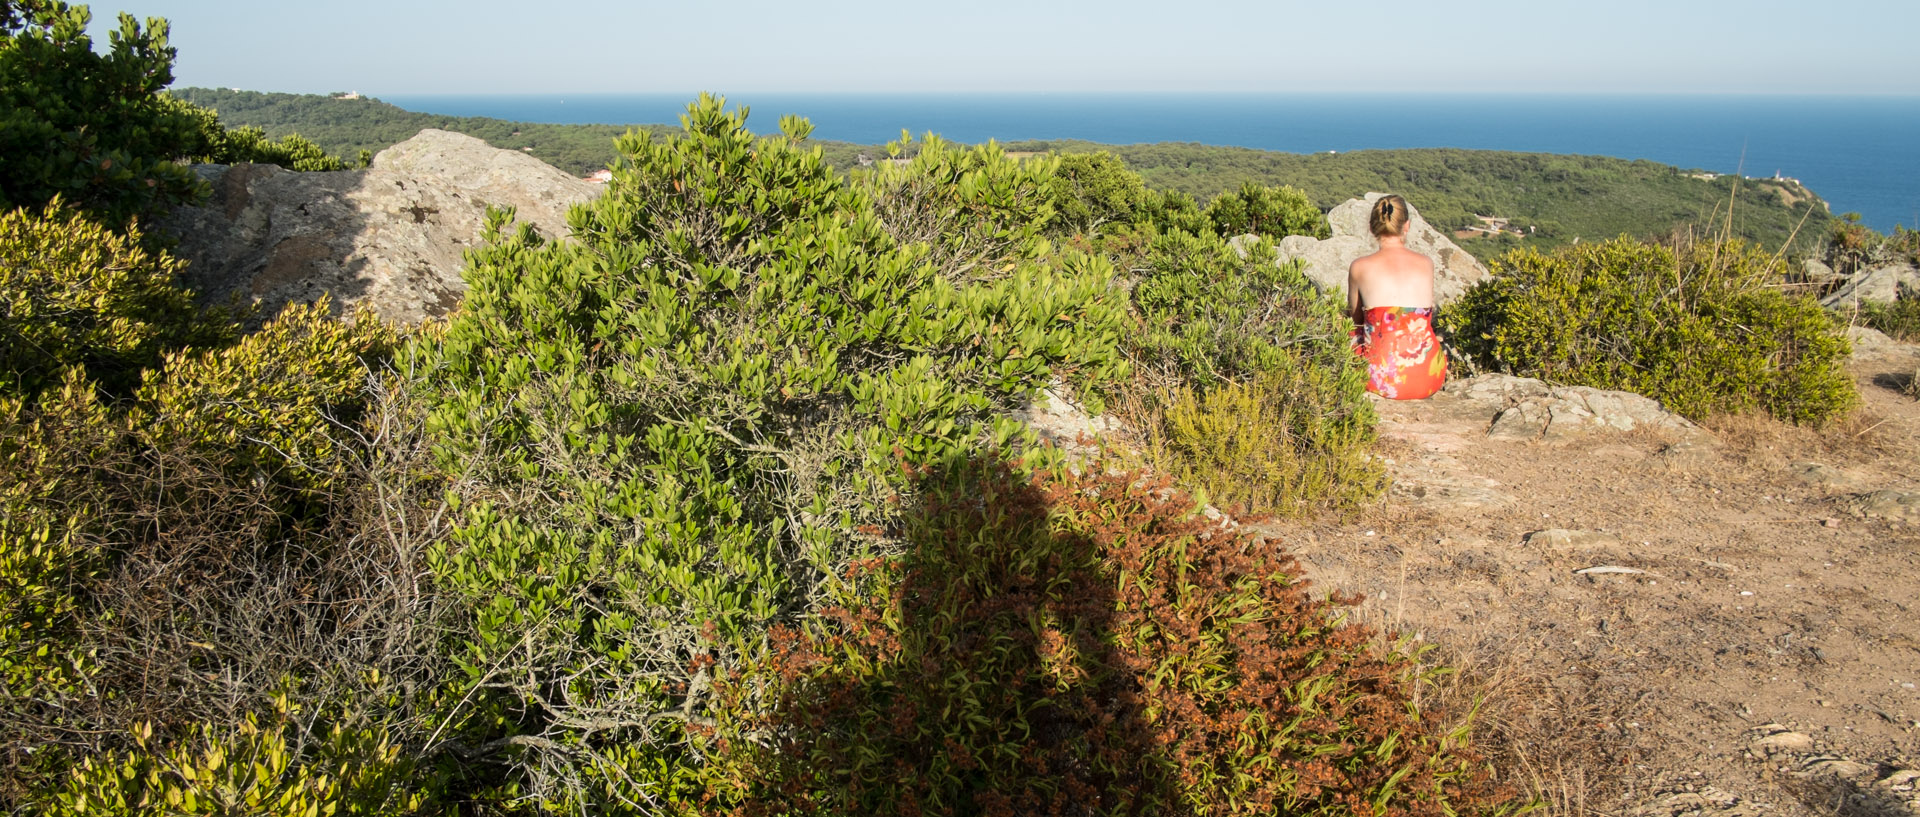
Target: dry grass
[1550, 736]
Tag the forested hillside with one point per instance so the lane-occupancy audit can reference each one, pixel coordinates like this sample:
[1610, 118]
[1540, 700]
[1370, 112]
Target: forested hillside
[346, 126]
[1555, 198]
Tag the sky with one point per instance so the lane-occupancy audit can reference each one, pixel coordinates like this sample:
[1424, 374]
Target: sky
[1377, 46]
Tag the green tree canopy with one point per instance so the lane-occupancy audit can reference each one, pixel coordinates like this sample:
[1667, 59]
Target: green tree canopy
[88, 126]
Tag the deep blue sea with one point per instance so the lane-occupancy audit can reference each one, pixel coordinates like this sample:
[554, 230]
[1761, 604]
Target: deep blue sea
[1860, 153]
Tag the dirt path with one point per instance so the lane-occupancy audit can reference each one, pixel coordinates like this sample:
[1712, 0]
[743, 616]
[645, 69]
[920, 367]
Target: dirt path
[1751, 644]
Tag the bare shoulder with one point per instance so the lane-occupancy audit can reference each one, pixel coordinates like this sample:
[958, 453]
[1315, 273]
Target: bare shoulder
[1364, 264]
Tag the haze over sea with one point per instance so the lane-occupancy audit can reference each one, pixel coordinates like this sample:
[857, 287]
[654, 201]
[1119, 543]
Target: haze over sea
[1860, 153]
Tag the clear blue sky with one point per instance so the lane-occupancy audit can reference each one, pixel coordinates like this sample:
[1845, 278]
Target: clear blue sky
[489, 46]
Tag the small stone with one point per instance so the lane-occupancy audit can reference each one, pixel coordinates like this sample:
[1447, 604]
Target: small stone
[1838, 767]
[1797, 742]
[1563, 538]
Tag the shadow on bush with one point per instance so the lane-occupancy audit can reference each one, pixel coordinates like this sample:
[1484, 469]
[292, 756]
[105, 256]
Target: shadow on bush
[1084, 645]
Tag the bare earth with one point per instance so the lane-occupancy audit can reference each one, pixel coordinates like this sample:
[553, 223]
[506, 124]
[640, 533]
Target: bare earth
[1760, 652]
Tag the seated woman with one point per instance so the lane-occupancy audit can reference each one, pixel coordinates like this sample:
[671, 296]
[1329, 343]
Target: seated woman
[1390, 295]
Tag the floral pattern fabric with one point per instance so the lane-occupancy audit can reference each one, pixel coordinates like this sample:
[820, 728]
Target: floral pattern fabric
[1404, 359]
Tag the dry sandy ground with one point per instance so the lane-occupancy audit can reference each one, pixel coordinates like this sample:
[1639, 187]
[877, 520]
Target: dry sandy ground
[1764, 658]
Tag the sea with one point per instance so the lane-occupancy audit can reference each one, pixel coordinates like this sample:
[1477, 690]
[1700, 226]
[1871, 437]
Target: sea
[1860, 153]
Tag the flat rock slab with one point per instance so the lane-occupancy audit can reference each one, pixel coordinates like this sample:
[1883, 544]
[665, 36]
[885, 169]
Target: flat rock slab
[1893, 506]
[1525, 408]
[1826, 476]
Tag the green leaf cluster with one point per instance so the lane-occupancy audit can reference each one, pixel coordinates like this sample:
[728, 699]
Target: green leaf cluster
[682, 420]
[1084, 645]
[1272, 213]
[74, 292]
[1701, 327]
[1247, 386]
[90, 127]
[257, 767]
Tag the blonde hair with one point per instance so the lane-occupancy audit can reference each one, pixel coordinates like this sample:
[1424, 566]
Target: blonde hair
[1389, 217]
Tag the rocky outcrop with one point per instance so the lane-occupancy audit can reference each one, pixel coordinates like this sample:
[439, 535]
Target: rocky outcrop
[1877, 283]
[1530, 409]
[389, 237]
[1326, 260]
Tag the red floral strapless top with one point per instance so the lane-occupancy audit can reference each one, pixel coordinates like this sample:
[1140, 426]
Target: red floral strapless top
[1404, 359]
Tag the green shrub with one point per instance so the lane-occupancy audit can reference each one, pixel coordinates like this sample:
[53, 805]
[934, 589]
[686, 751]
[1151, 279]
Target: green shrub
[75, 293]
[90, 127]
[1229, 338]
[974, 213]
[1171, 211]
[46, 454]
[1900, 319]
[219, 145]
[163, 557]
[1269, 212]
[1264, 444]
[1697, 327]
[271, 770]
[686, 416]
[275, 401]
[1084, 645]
[1096, 189]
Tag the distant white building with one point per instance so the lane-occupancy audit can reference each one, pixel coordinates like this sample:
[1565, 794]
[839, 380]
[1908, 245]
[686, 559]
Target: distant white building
[601, 176]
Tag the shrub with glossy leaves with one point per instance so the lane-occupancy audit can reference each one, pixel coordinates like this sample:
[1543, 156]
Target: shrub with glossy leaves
[1269, 212]
[684, 417]
[165, 556]
[75, 293]
[1096, 189]
[1085, 645]
[1699, 327]
[256, 767]
[90, 127]
[276, 401]
[1245, 385]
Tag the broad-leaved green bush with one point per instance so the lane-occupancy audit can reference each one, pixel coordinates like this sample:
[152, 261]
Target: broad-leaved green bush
[1699, 327]
[1245, 384]
[1269, 212]
[255, 767]
[1899, 318]
[90, 127]
[277, 401]
[167, 555]
[1094, 190]
[218, 144]
[1084, 645]
[1172, 211]
[975, 214]
[74, 292]
[675, 429]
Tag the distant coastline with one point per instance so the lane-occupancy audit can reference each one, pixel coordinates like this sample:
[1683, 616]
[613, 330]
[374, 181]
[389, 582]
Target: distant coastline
[1855, 151]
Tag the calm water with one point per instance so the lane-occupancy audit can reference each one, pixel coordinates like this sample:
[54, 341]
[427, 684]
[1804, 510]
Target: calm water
[1860, 153]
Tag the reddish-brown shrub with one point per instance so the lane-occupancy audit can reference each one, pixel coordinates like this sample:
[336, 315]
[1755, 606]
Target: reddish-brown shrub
[1084, 645]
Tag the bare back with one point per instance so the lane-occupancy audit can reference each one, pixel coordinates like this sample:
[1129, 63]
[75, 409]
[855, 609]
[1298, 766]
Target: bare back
[1392, 276]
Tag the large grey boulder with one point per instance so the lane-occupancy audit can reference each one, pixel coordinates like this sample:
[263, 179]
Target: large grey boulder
[389, 237]
[1326, 260]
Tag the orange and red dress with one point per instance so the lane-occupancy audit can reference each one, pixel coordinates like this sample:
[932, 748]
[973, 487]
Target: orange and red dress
[1404, 358]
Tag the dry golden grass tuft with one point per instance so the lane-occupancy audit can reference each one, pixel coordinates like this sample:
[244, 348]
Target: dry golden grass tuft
[1551, 737]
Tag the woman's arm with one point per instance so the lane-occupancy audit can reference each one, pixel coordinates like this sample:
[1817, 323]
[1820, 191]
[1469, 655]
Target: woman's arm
[1355, 309]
